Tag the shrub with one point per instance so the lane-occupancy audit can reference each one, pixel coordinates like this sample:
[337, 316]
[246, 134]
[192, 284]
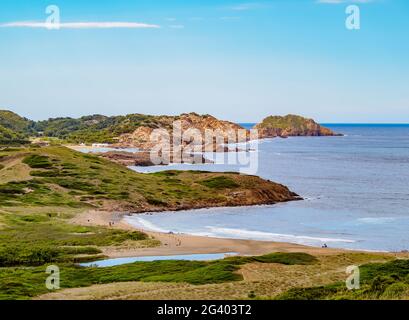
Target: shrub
[49, 173]
[37, 161]
[290, 258]
[396, 291]
[155, 202]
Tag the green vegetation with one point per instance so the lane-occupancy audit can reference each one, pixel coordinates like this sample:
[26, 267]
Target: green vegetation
[95, 128]
[58, 176]
[288, 121]
[9, 137]
[23, 283]
[14, 129]
[292, 125]
[37, 161]
[44, 187]
[219, 183]
[35, 239]
[14, 122]
[89, 129]
[388, 280]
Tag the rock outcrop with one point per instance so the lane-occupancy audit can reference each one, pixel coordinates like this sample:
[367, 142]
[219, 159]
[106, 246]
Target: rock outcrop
[143, 159]
[291, 125]
[188, 124]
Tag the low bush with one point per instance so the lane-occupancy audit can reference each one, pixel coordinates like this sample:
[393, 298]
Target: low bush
[37, 161]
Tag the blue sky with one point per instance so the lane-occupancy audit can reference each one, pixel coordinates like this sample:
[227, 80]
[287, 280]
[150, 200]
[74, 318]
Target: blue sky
[239, 61]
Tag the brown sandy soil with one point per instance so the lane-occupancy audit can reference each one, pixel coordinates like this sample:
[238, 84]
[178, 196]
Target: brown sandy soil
[186, 244]
[14, 170]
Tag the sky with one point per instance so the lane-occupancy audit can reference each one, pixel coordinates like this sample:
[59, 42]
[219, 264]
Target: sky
[237, 60]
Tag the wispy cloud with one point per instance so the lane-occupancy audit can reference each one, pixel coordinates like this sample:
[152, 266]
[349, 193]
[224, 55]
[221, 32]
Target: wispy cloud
[79, 25]
[229, 18]
[177, 26]
[343, 1]
[250, 6]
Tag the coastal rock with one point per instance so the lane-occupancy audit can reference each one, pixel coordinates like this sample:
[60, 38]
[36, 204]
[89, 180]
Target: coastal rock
[291, 125]
[225, 132]
[143, 159]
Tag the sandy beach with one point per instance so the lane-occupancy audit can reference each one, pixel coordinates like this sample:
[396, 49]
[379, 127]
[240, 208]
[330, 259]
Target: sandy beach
[176, 244]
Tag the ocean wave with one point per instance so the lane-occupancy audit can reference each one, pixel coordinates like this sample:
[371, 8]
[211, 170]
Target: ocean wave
[268, 236]
[220, 232]
[376, 220]
[141, 223]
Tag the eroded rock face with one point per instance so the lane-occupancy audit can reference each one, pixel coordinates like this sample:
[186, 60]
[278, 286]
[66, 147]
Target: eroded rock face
[189, 125]
[291, 125]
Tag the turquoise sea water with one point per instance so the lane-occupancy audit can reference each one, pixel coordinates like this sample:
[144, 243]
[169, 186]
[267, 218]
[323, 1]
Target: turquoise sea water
[356, 191]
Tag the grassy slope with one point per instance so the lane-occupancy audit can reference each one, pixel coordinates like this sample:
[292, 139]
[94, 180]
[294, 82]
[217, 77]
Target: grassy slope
[41, 187]
[13, 128]
[257, 280]
[13, 281]
[10, 137]
[377, 281]
[14, 122]
[60, 176]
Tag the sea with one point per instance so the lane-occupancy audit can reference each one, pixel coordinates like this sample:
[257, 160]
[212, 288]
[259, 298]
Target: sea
[355, 189]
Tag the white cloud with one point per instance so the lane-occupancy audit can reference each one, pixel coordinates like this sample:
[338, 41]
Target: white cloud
[250, 6]
[79, 25]
[343, 1]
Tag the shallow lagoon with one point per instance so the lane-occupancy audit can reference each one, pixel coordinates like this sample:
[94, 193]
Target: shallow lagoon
[188, 257]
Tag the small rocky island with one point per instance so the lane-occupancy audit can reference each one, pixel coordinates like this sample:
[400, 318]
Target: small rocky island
[290, 126]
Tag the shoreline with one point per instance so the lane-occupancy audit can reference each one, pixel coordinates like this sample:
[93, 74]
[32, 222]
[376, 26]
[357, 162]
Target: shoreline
[181, 244]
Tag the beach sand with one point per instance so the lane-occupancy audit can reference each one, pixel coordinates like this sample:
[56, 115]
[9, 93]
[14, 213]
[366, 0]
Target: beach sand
[177, 244]
[265, 280]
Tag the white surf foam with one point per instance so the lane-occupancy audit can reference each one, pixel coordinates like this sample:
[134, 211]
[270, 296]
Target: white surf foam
[267, 236]
[141, 223]
[220, 232]
[376, 220]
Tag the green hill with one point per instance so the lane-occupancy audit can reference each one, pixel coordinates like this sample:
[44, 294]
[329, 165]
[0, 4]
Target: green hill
[9, 137]
[14, 129]
[62, 177]
[95, 128]
[16, 123]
